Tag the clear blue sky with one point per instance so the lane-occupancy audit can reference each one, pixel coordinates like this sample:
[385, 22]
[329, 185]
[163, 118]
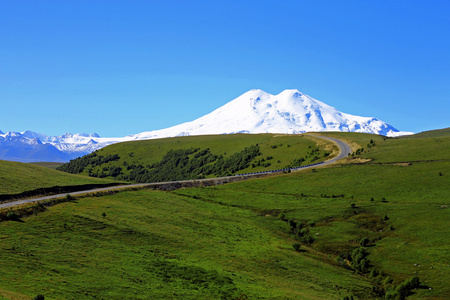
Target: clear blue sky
[124, 67]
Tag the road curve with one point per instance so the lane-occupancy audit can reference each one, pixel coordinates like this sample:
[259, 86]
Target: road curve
[344, 151]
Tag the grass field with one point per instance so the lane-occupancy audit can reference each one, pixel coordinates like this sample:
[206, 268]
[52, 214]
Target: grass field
[52, 165]
[19, 177]
[226, 241]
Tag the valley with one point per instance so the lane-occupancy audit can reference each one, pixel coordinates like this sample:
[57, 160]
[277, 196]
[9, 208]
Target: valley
[388, 199]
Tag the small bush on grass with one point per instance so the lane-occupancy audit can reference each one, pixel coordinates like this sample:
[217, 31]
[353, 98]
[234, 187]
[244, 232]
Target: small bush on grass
[363, 242]
[12, 216]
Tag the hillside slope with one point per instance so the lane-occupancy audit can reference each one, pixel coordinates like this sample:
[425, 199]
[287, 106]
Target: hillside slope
[196, 157]
[363, 229]
[18, 177]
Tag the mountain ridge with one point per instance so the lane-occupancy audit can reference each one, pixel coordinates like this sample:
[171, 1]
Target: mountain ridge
[256, 111]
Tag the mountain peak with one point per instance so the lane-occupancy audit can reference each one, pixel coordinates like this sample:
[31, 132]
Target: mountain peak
[291, 92]
[290, 112]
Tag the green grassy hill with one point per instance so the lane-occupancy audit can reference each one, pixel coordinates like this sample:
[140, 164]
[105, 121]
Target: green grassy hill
[363, 228]
[431, 133]
[196, 157]
[17, 177]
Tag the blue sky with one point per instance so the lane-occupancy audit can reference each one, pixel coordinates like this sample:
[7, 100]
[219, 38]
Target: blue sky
[124, 67]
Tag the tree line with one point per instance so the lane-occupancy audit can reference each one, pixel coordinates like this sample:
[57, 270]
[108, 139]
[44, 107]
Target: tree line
[180, 164]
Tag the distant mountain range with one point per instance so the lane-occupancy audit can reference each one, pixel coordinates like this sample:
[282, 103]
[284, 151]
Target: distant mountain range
[253, 112]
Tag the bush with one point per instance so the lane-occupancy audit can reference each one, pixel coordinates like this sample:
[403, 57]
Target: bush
[391, 295]
[413, 283]
[363, 242]
[402, 291]
[282, 216]
[373, 273]
[307, 239]
[387, 280]
[311, 224]
[359, 261]
[296, 246]
[303, 232]
[300, 226]
[69, 197]
[292, 223]
[12, 216]
[39, 297]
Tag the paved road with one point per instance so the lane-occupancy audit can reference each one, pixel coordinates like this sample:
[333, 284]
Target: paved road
[344, 148]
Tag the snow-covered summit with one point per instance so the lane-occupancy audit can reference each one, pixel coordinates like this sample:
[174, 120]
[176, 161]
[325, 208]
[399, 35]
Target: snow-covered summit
[290, 111]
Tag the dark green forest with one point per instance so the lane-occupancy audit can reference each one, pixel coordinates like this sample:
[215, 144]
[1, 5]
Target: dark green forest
[181, 164]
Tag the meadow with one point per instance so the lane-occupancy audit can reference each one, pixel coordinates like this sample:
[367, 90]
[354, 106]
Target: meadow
[18, 177]
[236, 241]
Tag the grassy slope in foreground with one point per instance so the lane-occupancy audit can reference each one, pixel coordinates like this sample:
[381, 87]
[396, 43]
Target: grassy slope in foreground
[158, 245]
[227, 240]
[18, 177]
[415, 238]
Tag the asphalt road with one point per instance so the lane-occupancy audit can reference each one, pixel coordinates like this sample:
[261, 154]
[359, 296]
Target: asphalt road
[344, 148]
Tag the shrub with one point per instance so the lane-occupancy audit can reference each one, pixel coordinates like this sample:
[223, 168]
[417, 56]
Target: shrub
[307, 239]
[292, 223]
[300, 225]
[39, 297]
[353, 205]
[303, 232]
[296, 246]
[391, 295]
[311, 224]
[413, 283]
[282, 216]
[359, 261]
[363, 242]
[373, 273]
[387, 280]
[12, 216]
[69, 197]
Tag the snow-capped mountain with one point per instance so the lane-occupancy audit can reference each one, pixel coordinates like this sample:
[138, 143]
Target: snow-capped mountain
[253, 112]
[30, 146]
[288, 112]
